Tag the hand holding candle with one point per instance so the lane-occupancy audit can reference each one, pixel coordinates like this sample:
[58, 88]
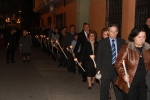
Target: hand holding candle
[76, 60]
[71, 48]
[125, 71]
[93, 57]
[7, 46]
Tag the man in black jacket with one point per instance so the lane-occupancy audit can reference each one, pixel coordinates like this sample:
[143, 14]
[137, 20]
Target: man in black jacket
[10, 46]
[106, 56]
[69, 37]
[81, 41]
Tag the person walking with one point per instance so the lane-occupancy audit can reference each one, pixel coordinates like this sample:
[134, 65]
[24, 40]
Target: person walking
[25, 46]
[135, 55]
[89, 50]
[10, 46]
[106, 56]
[81, 41]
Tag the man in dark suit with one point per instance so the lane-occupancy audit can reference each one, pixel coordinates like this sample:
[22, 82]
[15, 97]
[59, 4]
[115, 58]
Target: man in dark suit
[106, 57]
[69, 37]
[81, 41]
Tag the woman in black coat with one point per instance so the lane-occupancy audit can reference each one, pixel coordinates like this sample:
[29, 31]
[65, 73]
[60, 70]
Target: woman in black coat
[90, 48]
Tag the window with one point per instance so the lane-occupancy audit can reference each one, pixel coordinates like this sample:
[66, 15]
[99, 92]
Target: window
[114, 13]
[142, 11]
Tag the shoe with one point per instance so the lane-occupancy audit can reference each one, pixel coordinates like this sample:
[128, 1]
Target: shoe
[28, 60]
[13, 62]
[59, 65]
[92, 84]
[83, 80]
[7, 62]
[24, 60]
[89, 88]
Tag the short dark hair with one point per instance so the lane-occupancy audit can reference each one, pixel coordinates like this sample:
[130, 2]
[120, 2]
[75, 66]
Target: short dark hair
[135, 31]
[93, 32]
[113, 25]
[72, 26]
[86, 24]
[102, 31]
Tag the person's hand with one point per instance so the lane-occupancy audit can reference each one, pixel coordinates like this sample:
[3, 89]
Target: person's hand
[80, 63]
[126, 78]
[20, 44]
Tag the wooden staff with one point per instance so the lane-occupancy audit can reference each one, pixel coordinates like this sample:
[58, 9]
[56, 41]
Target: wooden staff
[7, 46]
[52, 46]
[61, 49]
[20, 47]
[125, 71]
[76, 60]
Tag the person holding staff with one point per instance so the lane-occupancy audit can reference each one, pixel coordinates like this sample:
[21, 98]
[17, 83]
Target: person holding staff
[88, 50]
[136, 56]
[105, 59]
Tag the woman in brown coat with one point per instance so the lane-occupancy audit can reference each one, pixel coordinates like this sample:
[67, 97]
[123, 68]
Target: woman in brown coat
[136, 55]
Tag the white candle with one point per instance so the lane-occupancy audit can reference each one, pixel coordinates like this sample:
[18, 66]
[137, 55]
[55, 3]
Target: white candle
[125, 71]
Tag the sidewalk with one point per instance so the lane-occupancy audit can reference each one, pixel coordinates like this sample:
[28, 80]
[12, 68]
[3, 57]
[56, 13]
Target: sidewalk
[41, 79]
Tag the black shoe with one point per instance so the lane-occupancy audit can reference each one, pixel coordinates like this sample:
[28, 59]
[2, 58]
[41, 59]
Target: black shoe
[7, 62]
[89, 88]
[13, 62]
[28, 60]
[92, 84]
[83, 80]
[59, 65]
[24, 60]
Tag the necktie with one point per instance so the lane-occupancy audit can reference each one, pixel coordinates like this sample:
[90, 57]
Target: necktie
[113, 49]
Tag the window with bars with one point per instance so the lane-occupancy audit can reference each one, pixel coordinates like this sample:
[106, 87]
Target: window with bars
[142, 11]
[114, 13]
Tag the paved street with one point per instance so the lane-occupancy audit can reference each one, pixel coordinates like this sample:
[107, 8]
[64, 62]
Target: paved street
[41, 79]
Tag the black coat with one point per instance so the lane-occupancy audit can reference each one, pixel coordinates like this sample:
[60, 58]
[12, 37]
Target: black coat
[104, 57]
[81, 41]
[11, 39]
[68, 39]
[87, 62]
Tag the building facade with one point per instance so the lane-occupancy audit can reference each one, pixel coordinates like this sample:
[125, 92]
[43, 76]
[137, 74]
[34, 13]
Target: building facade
[98, 13]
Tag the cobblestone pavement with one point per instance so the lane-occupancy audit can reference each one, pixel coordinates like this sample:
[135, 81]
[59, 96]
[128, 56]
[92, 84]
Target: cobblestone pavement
[41, 79]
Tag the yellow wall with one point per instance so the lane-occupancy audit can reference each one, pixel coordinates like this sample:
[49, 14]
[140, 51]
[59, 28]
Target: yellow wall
[70, 9]
[38, 2]
[128, 17]
[98, 15]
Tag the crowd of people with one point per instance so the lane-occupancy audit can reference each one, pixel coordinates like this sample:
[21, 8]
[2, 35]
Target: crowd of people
[126, 66]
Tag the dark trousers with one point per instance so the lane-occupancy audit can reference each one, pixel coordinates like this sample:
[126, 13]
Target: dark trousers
[137, 91]
[104, 90]
[62, 60]
[10, 53]
[70, 62]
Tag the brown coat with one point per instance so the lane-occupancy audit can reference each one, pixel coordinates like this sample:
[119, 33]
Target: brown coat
[129, 53]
